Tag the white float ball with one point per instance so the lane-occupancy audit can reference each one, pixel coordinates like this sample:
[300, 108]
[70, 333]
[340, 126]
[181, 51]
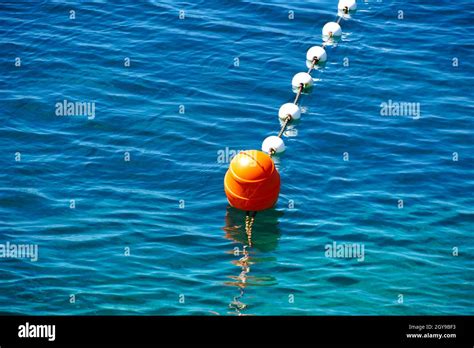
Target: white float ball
[302, 78]
[316, 52]
[332, 27]
[273, 143]
[289, 109]
[350, 4]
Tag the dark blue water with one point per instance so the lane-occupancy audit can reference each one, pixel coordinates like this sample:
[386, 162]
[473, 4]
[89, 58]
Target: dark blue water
[150, 231]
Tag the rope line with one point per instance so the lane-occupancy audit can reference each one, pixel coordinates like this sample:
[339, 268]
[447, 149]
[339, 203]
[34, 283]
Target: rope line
[283, 127]
[288, 117]
[299, 93]
[313, 64]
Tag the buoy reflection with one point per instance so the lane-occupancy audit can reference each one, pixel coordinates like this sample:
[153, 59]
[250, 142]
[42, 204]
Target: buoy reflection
[257, 236]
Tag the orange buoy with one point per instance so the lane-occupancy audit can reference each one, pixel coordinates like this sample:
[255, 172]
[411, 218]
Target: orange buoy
[252, 182]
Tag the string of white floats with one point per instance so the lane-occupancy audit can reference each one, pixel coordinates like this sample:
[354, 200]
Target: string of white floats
[303, 81]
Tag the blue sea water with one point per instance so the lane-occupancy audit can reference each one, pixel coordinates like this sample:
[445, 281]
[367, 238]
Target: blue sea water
[146, 173]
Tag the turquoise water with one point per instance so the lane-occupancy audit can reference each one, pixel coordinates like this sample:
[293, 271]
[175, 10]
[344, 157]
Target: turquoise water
[145, 173]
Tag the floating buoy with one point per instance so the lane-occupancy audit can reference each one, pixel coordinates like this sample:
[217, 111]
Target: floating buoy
[318, 53]
[273, 144]
[331, 29]
[252, 182]
[302, 78]
[350, 5]
[289, 109]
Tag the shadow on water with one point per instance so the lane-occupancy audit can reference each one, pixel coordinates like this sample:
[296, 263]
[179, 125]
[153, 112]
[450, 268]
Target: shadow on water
[256, 235]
